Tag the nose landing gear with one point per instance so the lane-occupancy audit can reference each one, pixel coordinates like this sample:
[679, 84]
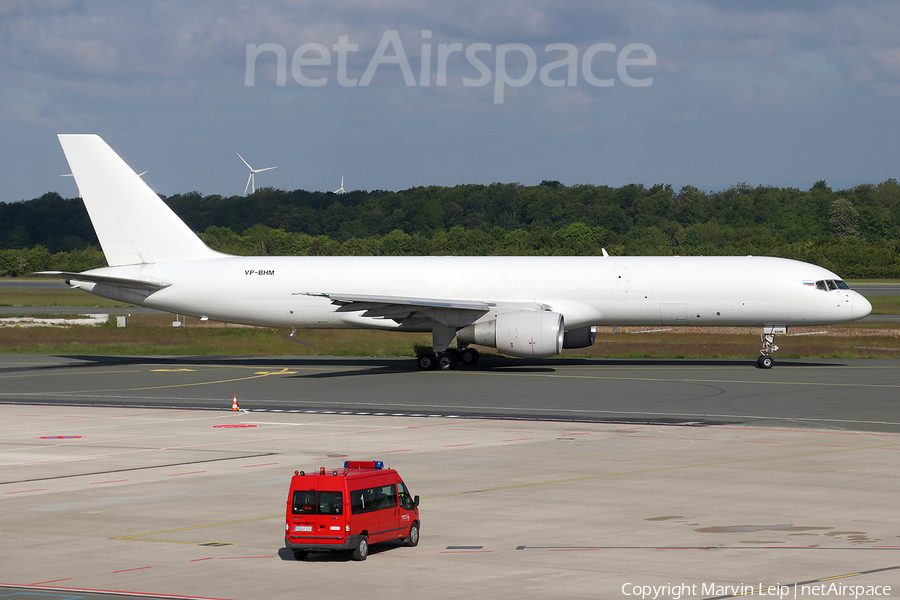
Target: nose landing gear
[765, 360]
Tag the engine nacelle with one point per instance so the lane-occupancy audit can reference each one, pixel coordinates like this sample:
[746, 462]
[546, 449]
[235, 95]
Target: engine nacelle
[535, 333]
[581, 337]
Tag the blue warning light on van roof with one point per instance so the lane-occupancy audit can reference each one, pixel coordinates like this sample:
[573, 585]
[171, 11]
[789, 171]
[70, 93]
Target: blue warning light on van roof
[363, 464]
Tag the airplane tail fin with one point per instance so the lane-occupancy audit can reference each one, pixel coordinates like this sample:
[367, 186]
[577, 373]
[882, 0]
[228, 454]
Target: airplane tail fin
[133, 224]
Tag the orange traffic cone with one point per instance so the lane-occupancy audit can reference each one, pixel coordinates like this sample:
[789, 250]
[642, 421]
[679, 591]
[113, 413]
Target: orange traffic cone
[234, 405]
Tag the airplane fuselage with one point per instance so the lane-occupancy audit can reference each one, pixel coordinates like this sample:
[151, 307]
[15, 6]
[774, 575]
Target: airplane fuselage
[273, 291]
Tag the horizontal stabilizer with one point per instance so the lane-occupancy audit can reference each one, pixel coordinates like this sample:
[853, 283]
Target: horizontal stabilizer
[140, 284]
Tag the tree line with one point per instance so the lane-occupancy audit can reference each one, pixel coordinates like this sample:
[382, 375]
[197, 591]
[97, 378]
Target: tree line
[854, 232]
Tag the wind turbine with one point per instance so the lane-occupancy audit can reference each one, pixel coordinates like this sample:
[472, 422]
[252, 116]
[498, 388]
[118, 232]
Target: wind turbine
[340, 190]
[251, 181]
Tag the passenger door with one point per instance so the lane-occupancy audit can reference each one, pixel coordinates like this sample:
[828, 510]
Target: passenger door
[329, 515]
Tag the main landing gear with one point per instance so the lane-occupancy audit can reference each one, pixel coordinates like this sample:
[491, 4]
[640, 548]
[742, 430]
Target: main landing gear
[448, 359]
[765, 360]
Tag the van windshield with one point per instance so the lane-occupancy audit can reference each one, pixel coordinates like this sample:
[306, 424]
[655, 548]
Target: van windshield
[311, 502]
[406, 501]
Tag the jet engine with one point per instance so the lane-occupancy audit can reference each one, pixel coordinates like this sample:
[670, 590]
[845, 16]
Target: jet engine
[534, 333]
[581, 337]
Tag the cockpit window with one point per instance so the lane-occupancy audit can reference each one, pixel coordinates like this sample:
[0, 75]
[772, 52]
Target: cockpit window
[831, 284]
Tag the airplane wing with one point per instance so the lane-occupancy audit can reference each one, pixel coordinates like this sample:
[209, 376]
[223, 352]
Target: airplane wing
[140, 284]
[417, 311]
[357, 302]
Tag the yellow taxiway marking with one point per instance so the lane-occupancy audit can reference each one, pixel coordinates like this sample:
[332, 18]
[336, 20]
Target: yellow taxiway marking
[256, 375]
[67, 374]
[141, 535]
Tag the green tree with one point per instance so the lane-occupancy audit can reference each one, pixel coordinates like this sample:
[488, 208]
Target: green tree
[844, 218]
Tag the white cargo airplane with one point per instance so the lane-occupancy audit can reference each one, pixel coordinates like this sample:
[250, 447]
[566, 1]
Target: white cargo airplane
[522, 306]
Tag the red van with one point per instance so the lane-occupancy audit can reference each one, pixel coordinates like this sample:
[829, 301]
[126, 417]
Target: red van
[349, 508]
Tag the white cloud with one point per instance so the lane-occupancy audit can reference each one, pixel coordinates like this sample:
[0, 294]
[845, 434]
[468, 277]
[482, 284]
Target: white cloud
[171, 70]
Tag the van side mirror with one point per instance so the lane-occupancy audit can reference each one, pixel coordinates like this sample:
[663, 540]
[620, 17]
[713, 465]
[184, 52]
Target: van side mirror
[416, 500]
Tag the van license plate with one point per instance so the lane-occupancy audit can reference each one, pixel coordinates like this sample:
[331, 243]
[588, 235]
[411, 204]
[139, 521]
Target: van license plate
[302, 527]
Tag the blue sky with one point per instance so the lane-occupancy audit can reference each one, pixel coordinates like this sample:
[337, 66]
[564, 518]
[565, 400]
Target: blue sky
[763, 92]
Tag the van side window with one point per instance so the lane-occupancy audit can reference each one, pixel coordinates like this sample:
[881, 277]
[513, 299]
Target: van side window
[362, 501]
[406, 501]
[386, 497]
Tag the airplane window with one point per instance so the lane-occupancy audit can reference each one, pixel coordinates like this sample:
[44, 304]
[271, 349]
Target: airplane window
[841, 284]
[820, 285]
[831, 285]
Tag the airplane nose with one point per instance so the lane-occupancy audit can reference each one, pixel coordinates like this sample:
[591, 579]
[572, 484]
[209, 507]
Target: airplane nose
[860, 307]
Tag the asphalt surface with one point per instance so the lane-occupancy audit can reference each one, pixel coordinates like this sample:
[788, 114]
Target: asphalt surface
[191, 503]
[840, 394]
[877, 289]
[551, 479]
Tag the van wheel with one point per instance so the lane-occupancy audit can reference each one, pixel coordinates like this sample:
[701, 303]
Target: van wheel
[300, 554]
[413, 538]
[362, 548]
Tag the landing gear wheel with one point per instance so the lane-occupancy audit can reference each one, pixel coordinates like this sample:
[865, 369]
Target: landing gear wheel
[300, 554]
[413, 538]
[765, 361]
[446, 360]
[427, 362]
[468, 356]
[361, 552]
